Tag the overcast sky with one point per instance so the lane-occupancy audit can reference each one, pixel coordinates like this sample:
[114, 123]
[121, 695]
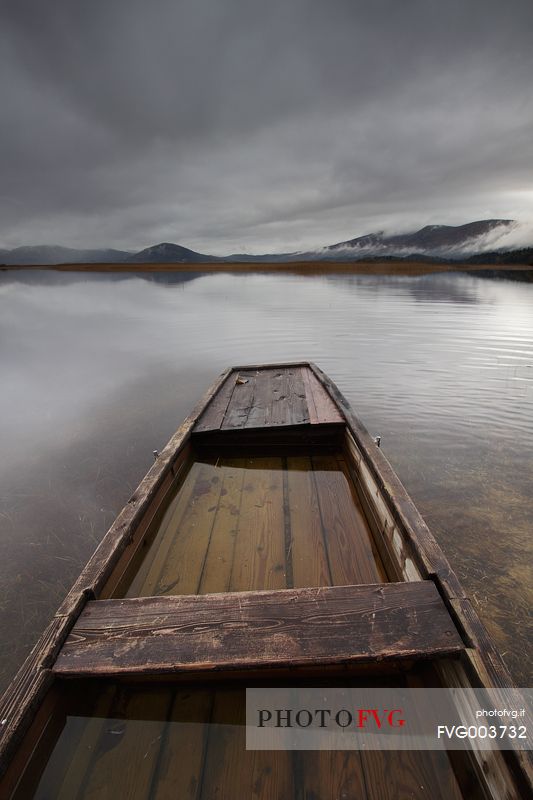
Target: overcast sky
[230, 125]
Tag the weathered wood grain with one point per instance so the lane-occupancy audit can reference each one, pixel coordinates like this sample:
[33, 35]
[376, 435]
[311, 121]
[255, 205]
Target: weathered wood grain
[410, 774]
[181, 567]
[325, 410]
[125, 756]
[259, 629]
[264, 399]
[25, 695]
[298, 409]
[242, 401]
[180, 767]
[232, 771]
[309, 559]
[307, 375]
[360, 512]
[213, 416]
[346, 533]
[144, 582]
[330, 774]
[259, 555]
[84, 748]
[216, 572]
[132, 555]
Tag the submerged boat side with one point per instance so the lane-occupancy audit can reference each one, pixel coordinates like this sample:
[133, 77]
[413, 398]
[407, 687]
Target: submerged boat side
[319, 507]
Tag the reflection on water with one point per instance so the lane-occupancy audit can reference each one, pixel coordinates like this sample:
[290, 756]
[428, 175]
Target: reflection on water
[98, 371]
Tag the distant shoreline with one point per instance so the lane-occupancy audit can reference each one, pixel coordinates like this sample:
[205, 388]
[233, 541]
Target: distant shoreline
[298, 267]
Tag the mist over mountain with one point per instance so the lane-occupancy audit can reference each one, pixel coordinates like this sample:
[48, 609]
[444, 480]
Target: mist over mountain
[437, 240]
[484, 241]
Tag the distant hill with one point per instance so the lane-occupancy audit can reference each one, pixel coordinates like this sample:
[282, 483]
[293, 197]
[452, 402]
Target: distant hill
[53, 254]
[473, 243]
[168, 253]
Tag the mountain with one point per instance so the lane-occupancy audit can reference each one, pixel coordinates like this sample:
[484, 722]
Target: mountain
[435, 240]
[475, 240]
[53, 254]
[167, 253]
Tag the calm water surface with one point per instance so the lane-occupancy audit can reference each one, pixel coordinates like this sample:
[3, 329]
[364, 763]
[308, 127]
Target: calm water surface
[98, 371]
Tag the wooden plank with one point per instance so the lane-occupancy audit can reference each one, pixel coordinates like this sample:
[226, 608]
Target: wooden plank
[280, 393]
[261, 411]
[213, 416]
[328, 774]
[306, 379]
[181, 761]
[266, 398]
[232, 771]
[241, 402]
[310, 565]
[181, 569]
[326, 409]
[298, 411]
[390, 775]
[25, 695]
[328, 625]
[126, 755]
[85, 747]
[145, 581]
[346, 531]
[37, 745]
[360, 509]
[133, 554]
[278, 399]
[277, 366]
[216, 573]
[259, 556]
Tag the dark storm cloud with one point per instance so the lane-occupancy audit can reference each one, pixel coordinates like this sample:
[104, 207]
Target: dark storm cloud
[229, 124]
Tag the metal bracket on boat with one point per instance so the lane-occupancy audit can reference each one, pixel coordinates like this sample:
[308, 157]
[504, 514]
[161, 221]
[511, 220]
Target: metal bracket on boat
[377, 440]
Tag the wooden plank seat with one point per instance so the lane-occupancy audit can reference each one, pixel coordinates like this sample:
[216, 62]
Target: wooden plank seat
[252, 399]
[243, 630]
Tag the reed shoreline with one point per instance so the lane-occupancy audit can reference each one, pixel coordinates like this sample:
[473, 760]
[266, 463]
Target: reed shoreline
[298, 267]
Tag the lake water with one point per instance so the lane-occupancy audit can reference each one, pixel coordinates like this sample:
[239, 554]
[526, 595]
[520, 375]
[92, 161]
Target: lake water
[99, 370]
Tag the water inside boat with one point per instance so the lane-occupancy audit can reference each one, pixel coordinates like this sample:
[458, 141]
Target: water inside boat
[164, 742]
[249, 523]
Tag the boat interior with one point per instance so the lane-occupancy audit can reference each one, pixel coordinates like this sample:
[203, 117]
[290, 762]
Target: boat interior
[272, 534]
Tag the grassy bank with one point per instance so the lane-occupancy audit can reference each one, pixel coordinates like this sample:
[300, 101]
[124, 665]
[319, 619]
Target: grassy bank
[520, 271]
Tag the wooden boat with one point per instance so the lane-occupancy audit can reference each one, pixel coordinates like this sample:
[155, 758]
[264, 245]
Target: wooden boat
[271, 488]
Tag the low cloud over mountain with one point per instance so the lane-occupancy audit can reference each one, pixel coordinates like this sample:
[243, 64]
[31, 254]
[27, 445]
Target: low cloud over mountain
[499, 240]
